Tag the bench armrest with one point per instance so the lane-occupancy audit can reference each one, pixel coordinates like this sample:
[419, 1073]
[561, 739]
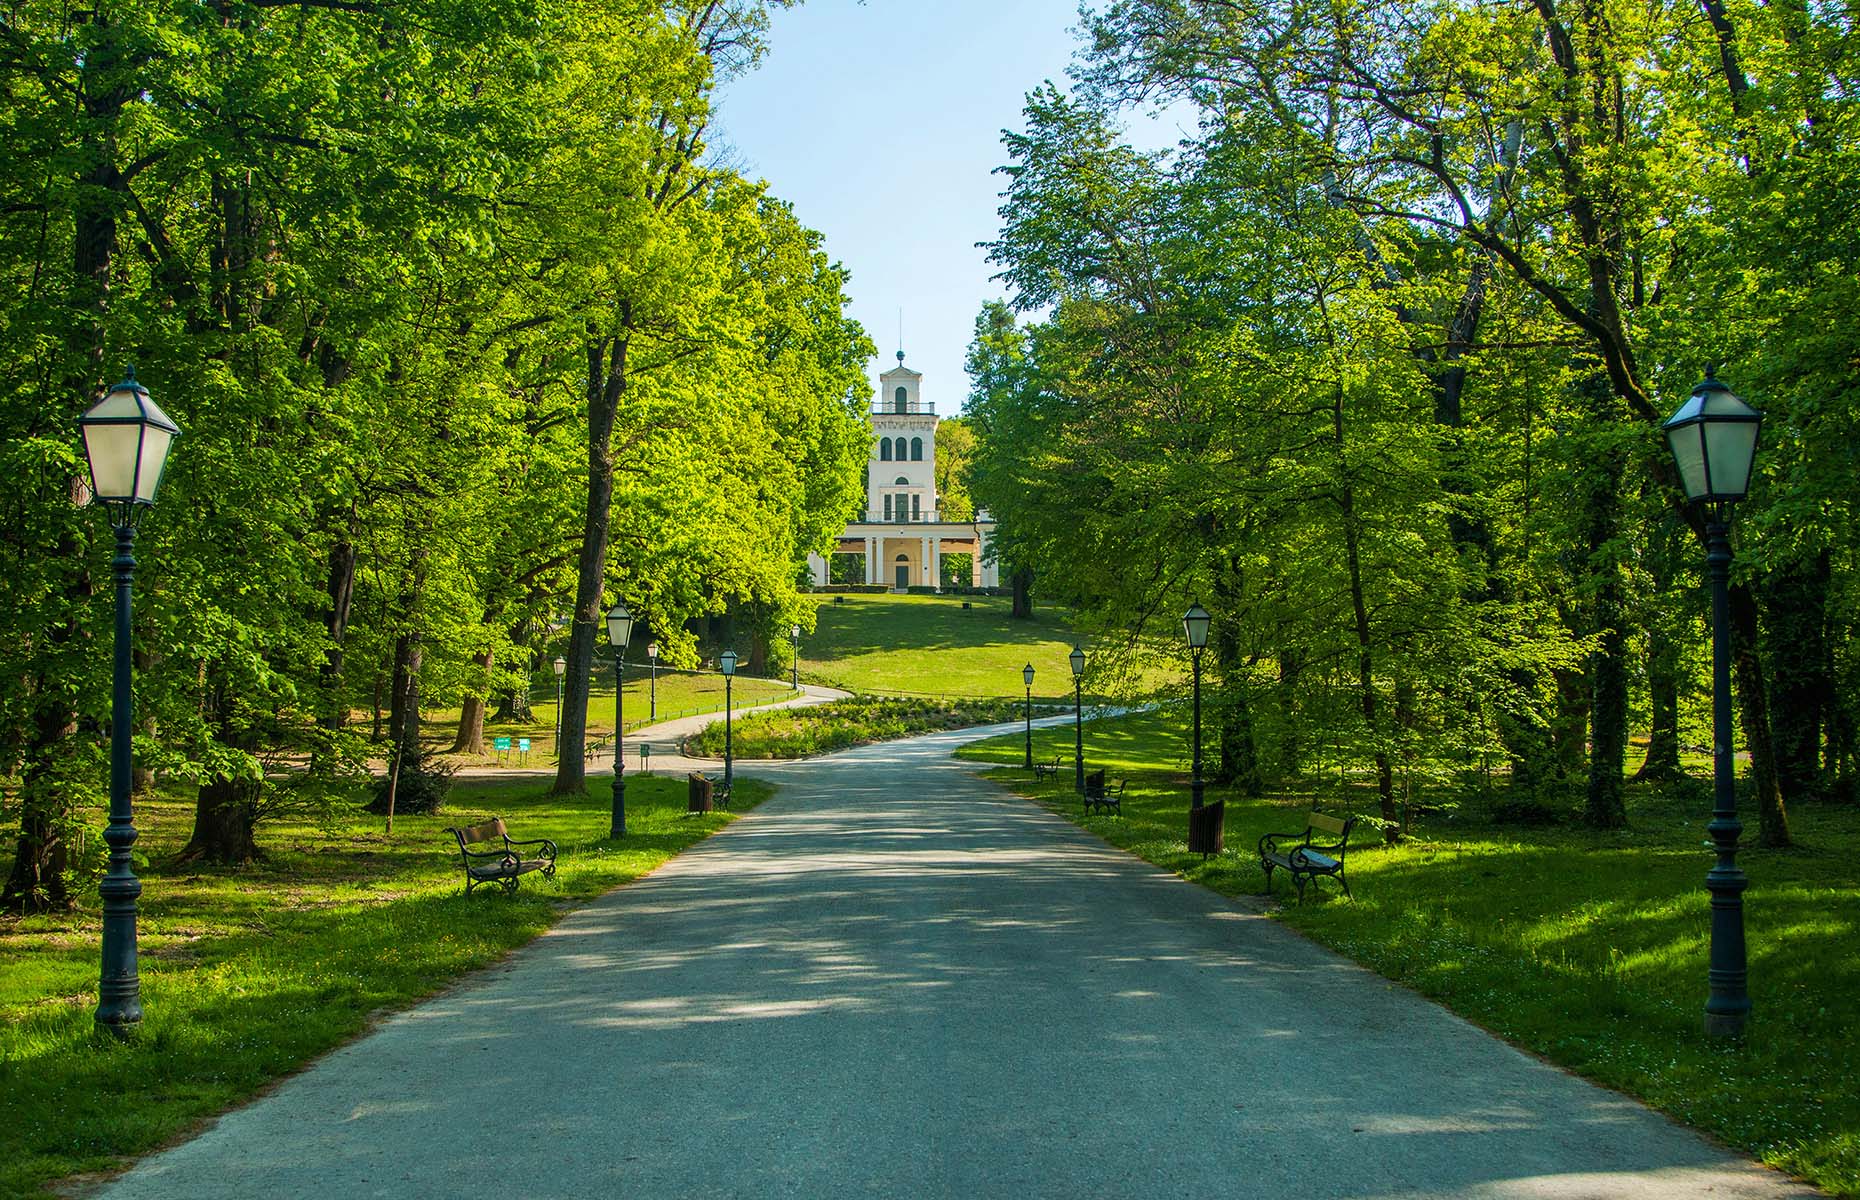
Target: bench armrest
[1269, 843]
[547, 845]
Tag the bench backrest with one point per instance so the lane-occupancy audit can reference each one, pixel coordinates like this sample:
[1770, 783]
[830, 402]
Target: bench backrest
[1095, 780]
[491, 831]
[1325, 823]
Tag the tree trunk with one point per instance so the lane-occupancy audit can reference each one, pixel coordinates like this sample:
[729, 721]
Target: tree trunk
[1569, 727]
[1365, 669]
[1795, 599]
[1022, 582]
[1662, 764]
[1608, 671]
[37, 882]
[1753, 711]
[470, 739]
[224, 819]
[404, 706]
[341, 591]
[606, 382]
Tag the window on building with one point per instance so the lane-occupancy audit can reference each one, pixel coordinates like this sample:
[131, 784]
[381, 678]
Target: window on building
[898, 400]
[897, 450]
[888, 506]
[884, 449]
[901, 481]
[916, 513]
[917, 449]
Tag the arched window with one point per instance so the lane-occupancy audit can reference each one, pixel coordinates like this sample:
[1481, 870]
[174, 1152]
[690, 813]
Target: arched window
[901, 481]
[898, 399]
[897, 449]
[917, 449]
[884, 449]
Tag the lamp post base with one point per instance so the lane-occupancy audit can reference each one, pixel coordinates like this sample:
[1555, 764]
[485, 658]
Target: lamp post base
[617, 827]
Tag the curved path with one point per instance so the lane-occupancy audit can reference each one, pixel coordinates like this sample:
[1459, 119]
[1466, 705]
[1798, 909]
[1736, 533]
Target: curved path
[895, 980]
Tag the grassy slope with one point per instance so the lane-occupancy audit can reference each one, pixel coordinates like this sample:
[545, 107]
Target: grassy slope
[932, 646]
[1585, 947]
[249, 973]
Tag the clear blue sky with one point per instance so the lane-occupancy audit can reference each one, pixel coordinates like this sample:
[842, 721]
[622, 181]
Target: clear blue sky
[881, 123]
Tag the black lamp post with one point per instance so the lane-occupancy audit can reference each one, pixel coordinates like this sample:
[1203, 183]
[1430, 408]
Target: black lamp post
[652, 695]
[726, 662]
[1195, 624]
[1713, 437]
[619, 633]
[1077, 658]
[561, 668]
[126, 441]
[1026, 674]
[794, 664]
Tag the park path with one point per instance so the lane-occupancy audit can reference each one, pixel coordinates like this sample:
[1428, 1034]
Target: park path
[895, 980]
[664, 738]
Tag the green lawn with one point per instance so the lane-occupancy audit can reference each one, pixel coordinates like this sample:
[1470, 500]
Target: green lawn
[1585, 947]
[933, 646]
[247, 974]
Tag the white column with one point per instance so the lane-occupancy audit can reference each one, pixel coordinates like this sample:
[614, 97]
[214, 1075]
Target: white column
[923, 558]
[991, 572]
[936, 562]
[817, 568]
[868, 559]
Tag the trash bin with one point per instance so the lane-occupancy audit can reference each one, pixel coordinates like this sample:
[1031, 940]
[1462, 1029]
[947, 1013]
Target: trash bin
[697, 793]
[1206, 828]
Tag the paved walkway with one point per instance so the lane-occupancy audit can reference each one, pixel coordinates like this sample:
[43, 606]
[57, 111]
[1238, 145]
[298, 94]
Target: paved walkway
[663, 738]
[894, 980]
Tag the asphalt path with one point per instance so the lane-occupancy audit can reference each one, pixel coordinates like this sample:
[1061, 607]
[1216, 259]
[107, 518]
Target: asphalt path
[895, 980]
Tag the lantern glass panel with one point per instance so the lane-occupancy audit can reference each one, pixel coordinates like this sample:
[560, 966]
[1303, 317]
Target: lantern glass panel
[1688, 446]
[1730, 446]
[726, 662]
[154, 457]
[1077, 658]
[619, 626]
[1026, 673]
[114, 452]
[1195, 624]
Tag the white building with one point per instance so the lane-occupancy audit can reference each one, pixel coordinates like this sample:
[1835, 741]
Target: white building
[902, 536]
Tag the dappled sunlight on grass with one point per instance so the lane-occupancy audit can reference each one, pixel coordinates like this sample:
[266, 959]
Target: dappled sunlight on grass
[1586, 946]
[249, 972]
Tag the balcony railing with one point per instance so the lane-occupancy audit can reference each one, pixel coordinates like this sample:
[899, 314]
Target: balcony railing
[914, 408]
[878, 517]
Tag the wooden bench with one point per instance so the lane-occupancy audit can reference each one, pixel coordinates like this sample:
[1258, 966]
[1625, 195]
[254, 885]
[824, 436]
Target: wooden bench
[1097, 799]
[1046, 770]
[504, 864]
[1306, 857]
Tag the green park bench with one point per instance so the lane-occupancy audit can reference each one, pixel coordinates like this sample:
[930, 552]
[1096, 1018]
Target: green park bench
[505, 864]
[1304, 856]
[1098, 799]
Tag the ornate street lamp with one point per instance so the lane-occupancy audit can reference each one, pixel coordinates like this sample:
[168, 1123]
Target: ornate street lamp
[619, 634]
[1077, 659]
[561, 668]
[1026, 674]
[126, 442]
[1195, 624]
[726, 662]
[794, 664]
[652, 656]
[1713, 437]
